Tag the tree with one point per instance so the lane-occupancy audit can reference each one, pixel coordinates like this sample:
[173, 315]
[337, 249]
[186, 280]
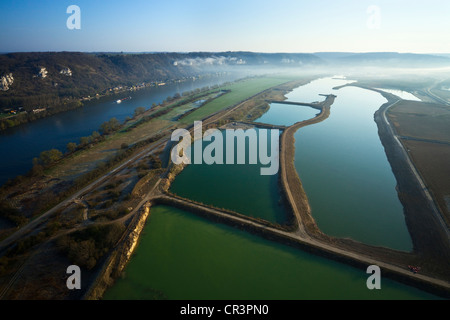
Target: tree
[110, 126]
[114, 124]
[84, 141]
[50, 156]
[71, 147]
[95, 135]
[36, 170]
[138, 111]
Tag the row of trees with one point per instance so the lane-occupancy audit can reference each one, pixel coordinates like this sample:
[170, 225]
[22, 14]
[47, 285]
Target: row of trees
[50, 157]
[30, 116]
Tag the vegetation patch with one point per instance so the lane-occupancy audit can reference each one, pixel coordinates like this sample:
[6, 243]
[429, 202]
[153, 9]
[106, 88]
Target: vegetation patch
[86, 247]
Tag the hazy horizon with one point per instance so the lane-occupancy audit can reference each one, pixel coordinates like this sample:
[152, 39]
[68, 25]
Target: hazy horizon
[265, 26]
[212, 52]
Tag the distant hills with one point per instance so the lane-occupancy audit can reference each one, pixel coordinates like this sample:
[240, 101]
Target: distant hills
[49, 79]
[385, 59]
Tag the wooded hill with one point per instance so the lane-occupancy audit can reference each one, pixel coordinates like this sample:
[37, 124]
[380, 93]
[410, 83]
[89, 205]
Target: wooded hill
[90, 74]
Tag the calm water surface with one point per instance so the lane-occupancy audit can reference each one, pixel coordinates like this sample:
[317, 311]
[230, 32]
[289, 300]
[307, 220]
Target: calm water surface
[344, 169]
[188, 257]
[350, 187]
[19, 145]
[286, 114]
[238, 187]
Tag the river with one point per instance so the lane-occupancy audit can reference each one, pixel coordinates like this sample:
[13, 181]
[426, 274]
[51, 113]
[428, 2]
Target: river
[19, 145]
[344, 168]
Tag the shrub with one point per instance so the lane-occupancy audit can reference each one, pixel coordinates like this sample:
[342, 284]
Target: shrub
[71, 147]
[50, 156]
[138, 111]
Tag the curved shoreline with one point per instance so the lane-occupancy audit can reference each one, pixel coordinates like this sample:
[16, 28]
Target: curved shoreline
[428, 232]
[308, 237]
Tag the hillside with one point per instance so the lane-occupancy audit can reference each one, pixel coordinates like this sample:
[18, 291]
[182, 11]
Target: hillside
[42, 79]
[38, 84]
[386, 59]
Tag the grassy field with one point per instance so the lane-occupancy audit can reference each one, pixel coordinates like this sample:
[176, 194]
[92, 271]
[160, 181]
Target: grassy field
[240, 91]
[87, 159]
[43, 188]
[444, 94]
[433, 161]
[430, 122]
[179, 111]
[421, 120]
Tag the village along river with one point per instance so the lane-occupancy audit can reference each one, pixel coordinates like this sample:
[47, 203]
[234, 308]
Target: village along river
[183, 256]
[19, 145]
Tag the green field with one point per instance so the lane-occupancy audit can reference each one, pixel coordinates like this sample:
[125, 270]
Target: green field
[424, 128]
[421, 120]
[186, 107]
[86, 160]
[240, 90]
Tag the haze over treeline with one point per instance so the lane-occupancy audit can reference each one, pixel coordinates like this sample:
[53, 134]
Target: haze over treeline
[69, 76]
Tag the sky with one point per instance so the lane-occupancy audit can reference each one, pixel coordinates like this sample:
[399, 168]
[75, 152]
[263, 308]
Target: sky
[232, 25]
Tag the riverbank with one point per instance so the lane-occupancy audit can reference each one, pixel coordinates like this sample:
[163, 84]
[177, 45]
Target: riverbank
[290, 181]
[393, 263]
[427, 228]
[430, 239]
[309, 238]
[118, 259]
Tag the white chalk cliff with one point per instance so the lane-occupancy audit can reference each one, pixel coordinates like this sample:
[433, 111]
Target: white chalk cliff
[6, 81]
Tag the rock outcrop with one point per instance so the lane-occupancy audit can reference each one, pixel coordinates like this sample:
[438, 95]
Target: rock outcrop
[6, 81]
[42, 73]
[66, 72]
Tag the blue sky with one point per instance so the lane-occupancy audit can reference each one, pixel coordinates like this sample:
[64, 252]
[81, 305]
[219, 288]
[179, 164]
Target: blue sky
[233, 25]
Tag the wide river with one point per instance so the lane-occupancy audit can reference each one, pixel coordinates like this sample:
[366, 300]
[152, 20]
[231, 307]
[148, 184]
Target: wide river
[344, 169]
[352, 192]
[19, 145]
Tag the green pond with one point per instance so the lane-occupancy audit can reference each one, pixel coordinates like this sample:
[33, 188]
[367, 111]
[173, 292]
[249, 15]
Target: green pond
[238, 187]
[183, 256]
